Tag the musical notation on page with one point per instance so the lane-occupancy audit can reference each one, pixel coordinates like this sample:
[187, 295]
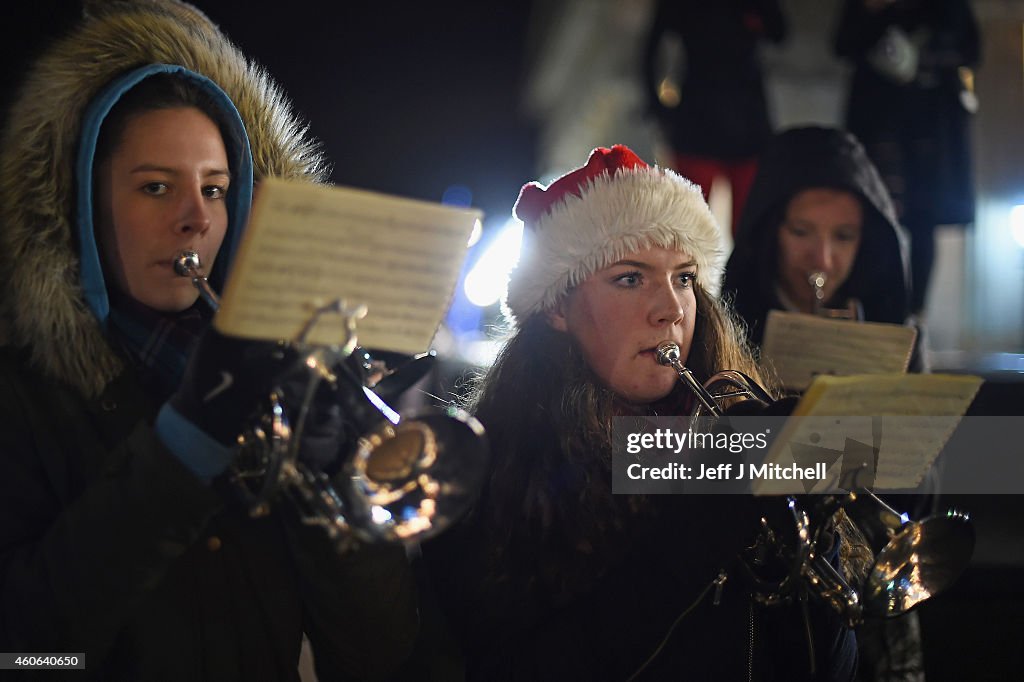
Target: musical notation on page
[800, 347]
[880, 431]
[308, 244]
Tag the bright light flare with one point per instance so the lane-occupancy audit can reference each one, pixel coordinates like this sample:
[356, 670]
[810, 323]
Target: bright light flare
[474, 236]
[1017, 224]
[379, 514]
[487, 281]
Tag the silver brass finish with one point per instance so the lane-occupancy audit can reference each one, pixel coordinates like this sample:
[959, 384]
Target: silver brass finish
[914, 560]
[713, 394]
[187, 264]
[408, 479]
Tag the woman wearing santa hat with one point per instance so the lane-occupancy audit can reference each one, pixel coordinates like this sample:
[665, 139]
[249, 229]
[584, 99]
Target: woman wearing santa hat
[554, 577]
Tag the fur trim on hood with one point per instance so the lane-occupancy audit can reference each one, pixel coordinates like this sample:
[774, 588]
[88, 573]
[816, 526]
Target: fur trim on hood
[41, 306]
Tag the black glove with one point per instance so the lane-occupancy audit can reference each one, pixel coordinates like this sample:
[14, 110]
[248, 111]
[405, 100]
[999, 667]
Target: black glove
[339, 415]
[326, 435]
[225, 380]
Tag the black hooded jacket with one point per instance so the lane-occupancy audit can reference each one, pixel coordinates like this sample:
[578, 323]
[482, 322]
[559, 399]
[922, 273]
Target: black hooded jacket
[813, 157]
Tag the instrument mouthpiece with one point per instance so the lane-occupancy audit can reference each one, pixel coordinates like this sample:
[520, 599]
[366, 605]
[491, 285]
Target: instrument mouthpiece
[187, 264]
[668, 353]
[817, 281]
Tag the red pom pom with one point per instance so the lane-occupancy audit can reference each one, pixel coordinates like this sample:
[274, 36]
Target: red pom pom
[534, 200]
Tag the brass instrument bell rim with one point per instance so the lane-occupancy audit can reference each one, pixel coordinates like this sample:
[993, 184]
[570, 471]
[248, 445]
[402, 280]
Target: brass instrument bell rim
[918, 571]
[381, 491]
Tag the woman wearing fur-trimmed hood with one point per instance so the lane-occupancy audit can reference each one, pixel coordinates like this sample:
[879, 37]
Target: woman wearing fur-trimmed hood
[42, 303]
[114, 542]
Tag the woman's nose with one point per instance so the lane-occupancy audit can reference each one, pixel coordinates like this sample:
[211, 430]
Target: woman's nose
[821, 256]
[667, 307]
[194, 213]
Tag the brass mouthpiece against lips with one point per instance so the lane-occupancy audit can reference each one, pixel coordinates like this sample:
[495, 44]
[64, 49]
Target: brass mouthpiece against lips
[188, 264]
[667, 353]
[817, 281]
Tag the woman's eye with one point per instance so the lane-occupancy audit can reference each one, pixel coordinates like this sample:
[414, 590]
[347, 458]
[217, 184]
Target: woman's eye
[687, 279]
[214, 191]
[847, 237]
[628, 280]
[155, 188]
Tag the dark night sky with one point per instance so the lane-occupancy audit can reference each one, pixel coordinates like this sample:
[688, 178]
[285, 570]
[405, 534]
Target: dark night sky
[408, 98]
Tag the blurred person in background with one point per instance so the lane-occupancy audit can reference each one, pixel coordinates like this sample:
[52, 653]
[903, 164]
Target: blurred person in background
[911, 100]
[715, 118]
[818, 205]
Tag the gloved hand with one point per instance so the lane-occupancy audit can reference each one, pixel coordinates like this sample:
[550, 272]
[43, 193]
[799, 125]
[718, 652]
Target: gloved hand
[339, 415]
[225, 380]
[327, 435]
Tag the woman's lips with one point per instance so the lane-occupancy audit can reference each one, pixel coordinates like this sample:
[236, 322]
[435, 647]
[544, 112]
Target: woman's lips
[166, 263]
[652, 353]
[166, 267]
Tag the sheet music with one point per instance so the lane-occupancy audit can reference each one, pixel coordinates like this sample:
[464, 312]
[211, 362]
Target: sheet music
[800, 347]
[307, 245]
[897, 424]
[896, 395]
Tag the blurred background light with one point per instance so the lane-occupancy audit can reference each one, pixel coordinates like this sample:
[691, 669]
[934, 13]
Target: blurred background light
[457, 195]
[1017, 224]
[474, 236]
[488, 279]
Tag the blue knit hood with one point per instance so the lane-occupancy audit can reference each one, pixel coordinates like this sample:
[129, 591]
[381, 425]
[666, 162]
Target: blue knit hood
[239, 195]
[53, 302]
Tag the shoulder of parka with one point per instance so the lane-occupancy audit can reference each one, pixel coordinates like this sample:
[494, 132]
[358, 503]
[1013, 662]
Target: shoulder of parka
[41, 304]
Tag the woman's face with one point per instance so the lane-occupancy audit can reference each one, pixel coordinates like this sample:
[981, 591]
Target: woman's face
[820, 233]
[162, 191]
[620, 314]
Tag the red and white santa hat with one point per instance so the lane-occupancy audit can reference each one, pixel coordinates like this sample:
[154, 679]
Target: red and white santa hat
[596, 215]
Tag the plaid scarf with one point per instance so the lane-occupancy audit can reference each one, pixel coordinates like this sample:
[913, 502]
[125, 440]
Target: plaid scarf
[157, 344]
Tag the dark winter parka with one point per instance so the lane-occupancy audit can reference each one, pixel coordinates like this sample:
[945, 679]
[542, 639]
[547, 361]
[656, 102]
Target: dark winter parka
[109, 546]
[804, 158]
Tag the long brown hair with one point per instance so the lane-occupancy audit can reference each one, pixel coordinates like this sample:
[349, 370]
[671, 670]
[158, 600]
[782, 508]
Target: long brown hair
[549, 420]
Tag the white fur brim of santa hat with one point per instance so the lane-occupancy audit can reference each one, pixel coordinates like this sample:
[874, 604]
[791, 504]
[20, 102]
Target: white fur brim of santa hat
[599, 214]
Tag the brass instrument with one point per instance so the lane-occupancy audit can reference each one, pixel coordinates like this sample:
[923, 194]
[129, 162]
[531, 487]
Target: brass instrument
[407, 478]
[817, 281]
[187, 265]
[913, 560]
[852, 311]
[726, 385]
